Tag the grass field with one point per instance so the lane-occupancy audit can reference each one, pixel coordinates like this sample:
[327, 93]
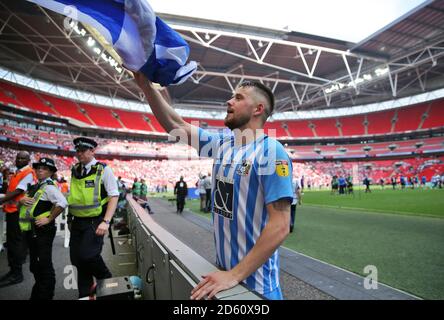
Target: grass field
[407, 202]
[400, 232]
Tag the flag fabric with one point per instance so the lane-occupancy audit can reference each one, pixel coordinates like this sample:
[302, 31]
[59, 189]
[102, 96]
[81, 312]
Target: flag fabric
[143, 41]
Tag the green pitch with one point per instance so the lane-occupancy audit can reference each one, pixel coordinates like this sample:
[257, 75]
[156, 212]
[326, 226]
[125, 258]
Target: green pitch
[400, 232]
[407, 202]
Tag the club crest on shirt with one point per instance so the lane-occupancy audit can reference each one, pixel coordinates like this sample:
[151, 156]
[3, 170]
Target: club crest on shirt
[244, 168]
[282, 168]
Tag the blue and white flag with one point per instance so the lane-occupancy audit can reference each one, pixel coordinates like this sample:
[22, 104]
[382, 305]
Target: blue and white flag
[143, 41]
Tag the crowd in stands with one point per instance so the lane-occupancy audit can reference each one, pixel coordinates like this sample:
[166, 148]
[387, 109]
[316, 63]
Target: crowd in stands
[108, 146]
[314, 174]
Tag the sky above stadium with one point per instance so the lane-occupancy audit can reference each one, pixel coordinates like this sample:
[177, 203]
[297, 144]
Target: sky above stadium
[349, 20]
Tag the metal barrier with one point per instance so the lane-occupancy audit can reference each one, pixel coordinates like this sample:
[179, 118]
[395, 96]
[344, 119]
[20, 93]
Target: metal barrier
[169, 269]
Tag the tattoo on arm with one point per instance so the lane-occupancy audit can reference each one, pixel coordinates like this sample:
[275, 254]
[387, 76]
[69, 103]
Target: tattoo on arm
[281, 205]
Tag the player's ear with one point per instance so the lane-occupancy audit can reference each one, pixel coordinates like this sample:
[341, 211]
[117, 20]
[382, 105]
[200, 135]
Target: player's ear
[260, 109]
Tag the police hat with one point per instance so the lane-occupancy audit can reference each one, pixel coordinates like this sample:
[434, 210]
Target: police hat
[84, 143]
[47, 162]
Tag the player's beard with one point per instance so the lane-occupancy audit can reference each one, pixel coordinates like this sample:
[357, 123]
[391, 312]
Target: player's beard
[233, 122]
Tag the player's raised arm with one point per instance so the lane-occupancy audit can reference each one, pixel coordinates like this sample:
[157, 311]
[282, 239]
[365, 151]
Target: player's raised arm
[168, 118]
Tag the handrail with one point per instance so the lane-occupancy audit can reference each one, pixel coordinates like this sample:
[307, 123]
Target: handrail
[194, 265]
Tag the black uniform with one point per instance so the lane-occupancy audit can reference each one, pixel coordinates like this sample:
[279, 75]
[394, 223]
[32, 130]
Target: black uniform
[85, 245]
[40, 238]
[39, 241]
[181, 191]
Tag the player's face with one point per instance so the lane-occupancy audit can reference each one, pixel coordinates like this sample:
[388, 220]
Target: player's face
[239, 108]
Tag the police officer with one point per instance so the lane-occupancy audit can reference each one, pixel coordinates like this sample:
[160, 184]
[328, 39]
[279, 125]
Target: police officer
[92, 202]
[18, 184]
[39, 208]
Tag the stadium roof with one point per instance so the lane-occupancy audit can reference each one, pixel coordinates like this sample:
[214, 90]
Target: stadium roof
[306, 72]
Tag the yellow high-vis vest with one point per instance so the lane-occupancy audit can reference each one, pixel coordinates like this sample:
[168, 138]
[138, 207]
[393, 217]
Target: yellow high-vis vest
[85, 196]
[28, 214]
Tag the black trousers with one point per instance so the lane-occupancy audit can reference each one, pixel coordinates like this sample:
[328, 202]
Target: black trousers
[15, 242]
[180, 202]
[208, 199]
[40, 252]
[85, 252]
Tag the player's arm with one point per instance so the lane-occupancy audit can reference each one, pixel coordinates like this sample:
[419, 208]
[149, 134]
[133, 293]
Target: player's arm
[272, 236]
[168, 118]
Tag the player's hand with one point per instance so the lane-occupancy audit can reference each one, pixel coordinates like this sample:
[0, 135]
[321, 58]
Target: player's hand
[213, 283]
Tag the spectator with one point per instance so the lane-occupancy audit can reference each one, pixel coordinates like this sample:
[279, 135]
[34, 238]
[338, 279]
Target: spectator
[207, 185]
[202, 192]
[367, 185]
[181, 192]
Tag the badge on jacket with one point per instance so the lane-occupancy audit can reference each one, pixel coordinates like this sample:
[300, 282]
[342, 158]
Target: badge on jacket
[89, 184]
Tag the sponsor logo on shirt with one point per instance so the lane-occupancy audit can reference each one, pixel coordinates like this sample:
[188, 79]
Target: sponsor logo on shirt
[223, 197]
[282, 168]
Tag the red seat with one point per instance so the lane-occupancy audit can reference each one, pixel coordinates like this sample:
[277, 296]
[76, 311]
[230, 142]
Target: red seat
[352, 126]
[102, 117]
[326, 127]
[299, 129]
[27, 98]
[66, 108]
[133, 120]
[275, 129]
[410, 118]
[435, 116]
[380, 122]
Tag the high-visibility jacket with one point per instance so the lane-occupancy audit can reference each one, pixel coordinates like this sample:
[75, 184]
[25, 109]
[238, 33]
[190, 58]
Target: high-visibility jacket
[87, 197]
[12, 205]
[38, 210]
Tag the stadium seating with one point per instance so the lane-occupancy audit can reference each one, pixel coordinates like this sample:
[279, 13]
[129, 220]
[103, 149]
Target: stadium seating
[422, 116]
[300, 129]
[435, 116]
[66, 108]
[409, 119]
[352, 126]
[26, 98]
[4, 97]
[101, 117]
[133, 120]
[277, 129]
[325, 128]
[380, 122]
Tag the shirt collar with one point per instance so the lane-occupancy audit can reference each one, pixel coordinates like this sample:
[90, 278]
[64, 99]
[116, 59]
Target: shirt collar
[45, 181]
[90, 164]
